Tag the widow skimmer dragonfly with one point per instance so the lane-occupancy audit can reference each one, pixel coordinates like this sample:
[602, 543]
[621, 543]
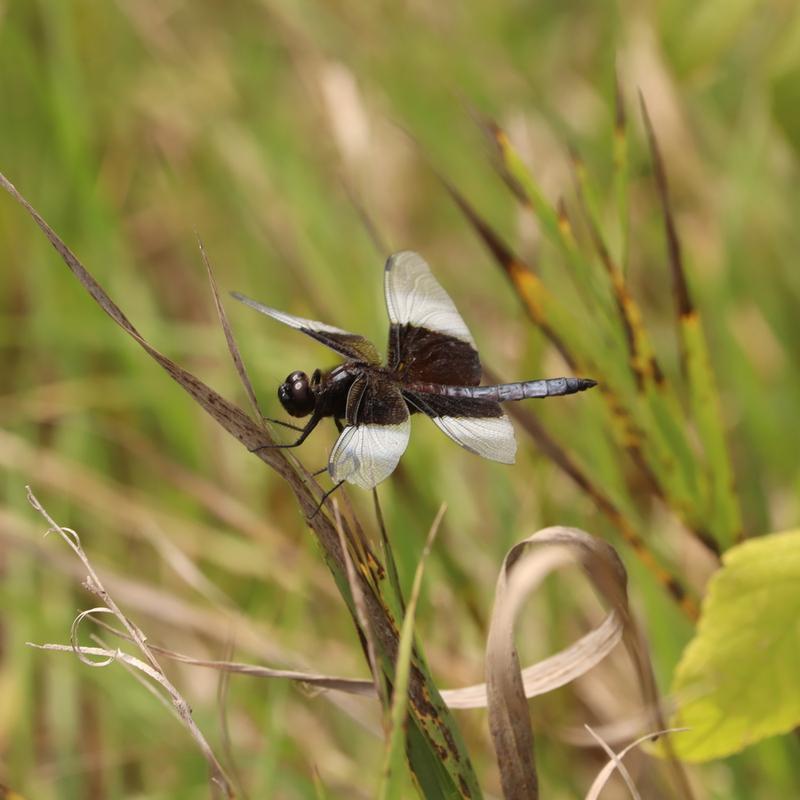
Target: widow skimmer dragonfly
[432, 368]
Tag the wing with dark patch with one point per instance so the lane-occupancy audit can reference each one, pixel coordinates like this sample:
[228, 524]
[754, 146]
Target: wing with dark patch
[420, 355]
[428, 340]
[376, 436]
[350, 345]
[478, 425]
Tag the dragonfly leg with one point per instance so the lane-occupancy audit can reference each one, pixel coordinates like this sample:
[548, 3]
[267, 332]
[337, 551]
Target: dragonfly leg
[324, 498]
[282, 423]
[310, 425]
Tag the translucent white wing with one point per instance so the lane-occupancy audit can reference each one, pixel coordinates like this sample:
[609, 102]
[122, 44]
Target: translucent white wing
[478, 425]
[351, 345]
[414, 297]
[490, 437]
[367, 454]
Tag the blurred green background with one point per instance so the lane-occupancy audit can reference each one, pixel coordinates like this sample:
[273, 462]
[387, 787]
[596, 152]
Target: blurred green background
[134, 126]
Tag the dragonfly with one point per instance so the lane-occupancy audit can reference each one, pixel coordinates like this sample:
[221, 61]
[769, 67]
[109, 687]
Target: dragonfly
[432, 368]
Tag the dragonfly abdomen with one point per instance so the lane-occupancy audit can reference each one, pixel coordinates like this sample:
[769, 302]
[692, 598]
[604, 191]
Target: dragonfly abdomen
[506, 392]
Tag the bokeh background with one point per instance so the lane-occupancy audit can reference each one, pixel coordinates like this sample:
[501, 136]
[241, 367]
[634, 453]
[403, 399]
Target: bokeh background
[286, 135]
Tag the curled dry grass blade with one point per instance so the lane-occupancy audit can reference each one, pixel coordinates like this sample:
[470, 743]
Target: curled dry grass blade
[617, 762]
[149, 666]
[433, 734]
[509, 719]
[537, 679]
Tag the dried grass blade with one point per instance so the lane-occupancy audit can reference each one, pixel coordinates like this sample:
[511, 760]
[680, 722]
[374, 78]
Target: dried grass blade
[233, 348]
[508, 712]
[552, 672]
[616, 763]
[621, 768]
[325, 682]
[509, 720]
[151, 668]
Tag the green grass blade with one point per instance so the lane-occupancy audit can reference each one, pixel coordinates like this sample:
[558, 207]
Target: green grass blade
[621, 179]
[725, 515]
[390, 787]
[723, 504]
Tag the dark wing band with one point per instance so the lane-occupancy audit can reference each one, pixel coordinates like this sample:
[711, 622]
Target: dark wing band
[350, 345]
[428, 340]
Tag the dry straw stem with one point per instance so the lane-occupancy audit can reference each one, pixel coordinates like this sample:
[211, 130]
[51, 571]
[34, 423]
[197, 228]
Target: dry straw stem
[616, 763]
[233, 348]
[213, 625]
[149, 667]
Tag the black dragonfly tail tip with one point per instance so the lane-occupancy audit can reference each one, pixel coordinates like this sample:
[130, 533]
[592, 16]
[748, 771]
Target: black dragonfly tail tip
[585, 383]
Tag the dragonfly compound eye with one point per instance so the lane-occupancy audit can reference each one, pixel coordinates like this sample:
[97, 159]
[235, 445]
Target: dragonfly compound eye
[296, 396]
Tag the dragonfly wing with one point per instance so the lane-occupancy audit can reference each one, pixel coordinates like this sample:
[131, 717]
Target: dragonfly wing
[368, 449]
[350, 345]
[428, 339]
[478, 425]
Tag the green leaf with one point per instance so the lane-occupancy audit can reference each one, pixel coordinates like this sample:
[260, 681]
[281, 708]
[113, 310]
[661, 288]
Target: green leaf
[737, 679]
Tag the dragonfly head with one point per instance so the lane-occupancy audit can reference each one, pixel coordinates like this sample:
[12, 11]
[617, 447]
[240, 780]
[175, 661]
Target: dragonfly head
[296, 395]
